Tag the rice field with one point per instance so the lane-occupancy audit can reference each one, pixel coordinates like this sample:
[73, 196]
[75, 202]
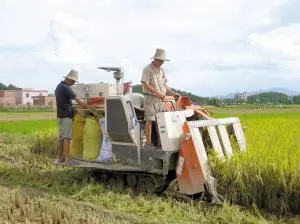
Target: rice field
[259, 186]
[15, 116]
[268, 173]
[33, 190]
[26, 126]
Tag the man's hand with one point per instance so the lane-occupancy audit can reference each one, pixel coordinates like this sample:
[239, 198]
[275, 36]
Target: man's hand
[177, 95]
[81, 102]
[159, 94]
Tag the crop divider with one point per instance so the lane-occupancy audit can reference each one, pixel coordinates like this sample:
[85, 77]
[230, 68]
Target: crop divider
[218, 135]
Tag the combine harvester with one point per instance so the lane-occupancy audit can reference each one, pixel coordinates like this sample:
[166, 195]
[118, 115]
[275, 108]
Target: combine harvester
[179, 163]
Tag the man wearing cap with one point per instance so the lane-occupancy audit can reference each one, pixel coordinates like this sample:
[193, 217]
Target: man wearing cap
[65, 113]
[154, 88]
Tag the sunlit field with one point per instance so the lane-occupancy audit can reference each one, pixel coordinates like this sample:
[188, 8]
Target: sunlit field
[259, 186]
[268, 173]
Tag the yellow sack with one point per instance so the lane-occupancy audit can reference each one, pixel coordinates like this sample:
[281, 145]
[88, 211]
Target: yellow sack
[76, 148]
[92, 138]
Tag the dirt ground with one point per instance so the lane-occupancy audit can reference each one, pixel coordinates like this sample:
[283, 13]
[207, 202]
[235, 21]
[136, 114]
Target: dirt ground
[6, 116]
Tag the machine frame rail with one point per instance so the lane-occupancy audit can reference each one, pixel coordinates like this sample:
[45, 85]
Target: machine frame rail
[218, 134]
[194, 173]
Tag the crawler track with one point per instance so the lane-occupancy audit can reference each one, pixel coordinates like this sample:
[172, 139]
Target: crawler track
[139, 181]
[165, 186]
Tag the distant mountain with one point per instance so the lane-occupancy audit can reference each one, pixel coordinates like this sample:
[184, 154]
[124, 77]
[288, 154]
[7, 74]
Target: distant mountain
[277, 90]
[194, 98]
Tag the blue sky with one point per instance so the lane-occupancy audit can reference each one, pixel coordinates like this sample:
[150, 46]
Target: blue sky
[216, 47]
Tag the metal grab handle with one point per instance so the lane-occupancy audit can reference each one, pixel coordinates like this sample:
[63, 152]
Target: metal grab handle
[173, 104]
[132, 110]
[156, 109]
[133, 117]
[164, 110]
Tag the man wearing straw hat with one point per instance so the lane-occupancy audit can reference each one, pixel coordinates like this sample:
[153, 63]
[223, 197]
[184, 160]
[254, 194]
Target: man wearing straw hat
[65, 113]
[154, 88]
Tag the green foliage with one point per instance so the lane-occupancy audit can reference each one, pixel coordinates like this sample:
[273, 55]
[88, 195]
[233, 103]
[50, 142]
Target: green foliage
[24, 108]
[296, 99]
[198, 99]
[268, 98]
[4, 87]
[44, 142]
[194, 98]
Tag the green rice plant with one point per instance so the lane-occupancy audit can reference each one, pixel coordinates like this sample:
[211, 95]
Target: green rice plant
[44, 142]
[24, 108]
[42, 188]
[266, 176]
[117, 205]
[268, 173]
[26, 126]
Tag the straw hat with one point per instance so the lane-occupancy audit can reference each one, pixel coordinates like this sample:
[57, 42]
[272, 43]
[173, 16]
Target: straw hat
[73, 75]
[160, 54]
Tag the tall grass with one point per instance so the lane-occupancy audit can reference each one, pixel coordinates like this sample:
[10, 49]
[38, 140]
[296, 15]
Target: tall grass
[44, 142]
[268, 173]
[42, 134]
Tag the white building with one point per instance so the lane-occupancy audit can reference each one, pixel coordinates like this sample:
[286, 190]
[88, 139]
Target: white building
[25, 96]
[241, 96]
[97, 89]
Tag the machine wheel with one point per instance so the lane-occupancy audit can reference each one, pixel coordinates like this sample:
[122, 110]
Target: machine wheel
[116, 181]
[131, 180]
[101, 176]
[146, 184]
[149, 185]
[141, 185]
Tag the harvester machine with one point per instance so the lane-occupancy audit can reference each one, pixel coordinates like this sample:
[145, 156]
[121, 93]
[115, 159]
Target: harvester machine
[178, 159]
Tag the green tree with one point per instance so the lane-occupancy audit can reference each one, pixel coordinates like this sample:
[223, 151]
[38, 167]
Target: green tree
[194, 98]
[4, 87]
[268, 98]
[10, 86]
[296, 99]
